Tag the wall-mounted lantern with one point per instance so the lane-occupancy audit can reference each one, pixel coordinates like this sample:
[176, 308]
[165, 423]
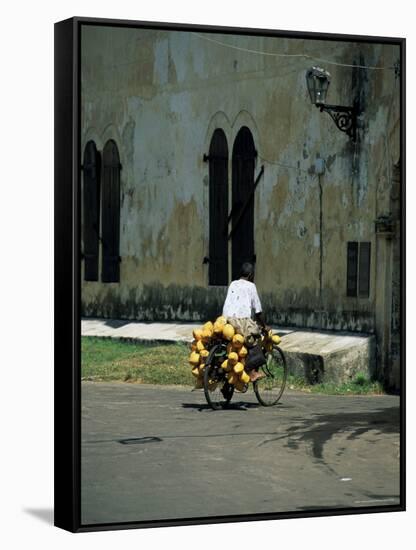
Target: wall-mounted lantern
[345, 118]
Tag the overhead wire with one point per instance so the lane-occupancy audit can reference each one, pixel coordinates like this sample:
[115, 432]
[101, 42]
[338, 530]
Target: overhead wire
[287, 55]
[302, 55]
[283, 165]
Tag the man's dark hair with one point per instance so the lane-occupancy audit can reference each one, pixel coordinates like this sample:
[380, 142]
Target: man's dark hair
[247, 269]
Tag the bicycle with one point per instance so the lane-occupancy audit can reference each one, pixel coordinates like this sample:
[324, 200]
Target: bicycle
[268, 389]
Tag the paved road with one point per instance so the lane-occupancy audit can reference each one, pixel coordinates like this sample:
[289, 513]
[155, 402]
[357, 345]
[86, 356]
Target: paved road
[154, 452]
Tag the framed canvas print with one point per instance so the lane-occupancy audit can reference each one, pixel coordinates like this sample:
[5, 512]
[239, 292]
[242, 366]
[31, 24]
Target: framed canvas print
[229, 284]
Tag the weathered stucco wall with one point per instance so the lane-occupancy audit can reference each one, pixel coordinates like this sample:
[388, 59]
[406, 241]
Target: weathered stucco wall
[160, 95]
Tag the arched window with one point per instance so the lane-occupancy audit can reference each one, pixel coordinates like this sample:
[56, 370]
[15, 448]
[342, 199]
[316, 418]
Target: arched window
[111, 214]
[218, 209]
[91, 210]
[244, 154]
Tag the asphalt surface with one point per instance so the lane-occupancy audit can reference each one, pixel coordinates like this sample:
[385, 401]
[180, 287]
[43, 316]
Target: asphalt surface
[155, 452]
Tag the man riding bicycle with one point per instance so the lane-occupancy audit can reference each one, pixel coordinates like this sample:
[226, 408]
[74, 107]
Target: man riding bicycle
[242, 308]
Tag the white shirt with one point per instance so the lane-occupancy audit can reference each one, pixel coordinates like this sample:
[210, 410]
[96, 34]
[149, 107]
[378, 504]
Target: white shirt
[242, 300]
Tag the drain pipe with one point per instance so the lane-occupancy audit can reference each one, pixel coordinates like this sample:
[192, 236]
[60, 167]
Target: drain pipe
[320, 170]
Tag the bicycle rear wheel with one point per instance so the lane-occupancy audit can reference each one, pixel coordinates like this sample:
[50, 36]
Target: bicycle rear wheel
[218, 391]
[269, 389]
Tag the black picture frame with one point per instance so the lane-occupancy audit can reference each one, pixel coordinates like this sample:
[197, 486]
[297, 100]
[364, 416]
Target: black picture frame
[68, 275]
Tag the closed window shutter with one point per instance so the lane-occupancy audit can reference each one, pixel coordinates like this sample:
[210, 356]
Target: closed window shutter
[111, 214]
[352, 268]
[244, 154]
[91, 210]
[364, 270]
[218, 209]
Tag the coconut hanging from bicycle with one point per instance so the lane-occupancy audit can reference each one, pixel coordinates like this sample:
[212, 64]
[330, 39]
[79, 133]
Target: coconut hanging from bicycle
[222, 359]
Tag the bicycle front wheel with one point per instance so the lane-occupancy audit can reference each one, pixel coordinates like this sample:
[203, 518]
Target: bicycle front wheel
[270, 387]
[218, 391]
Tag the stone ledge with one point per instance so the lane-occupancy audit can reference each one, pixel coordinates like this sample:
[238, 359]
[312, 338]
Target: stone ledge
[314, 355]
[329, 357]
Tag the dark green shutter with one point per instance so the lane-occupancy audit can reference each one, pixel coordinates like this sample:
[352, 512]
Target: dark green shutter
[91, 210]
[242, 186]
[111, 214]
[218, 209]
[352, 268]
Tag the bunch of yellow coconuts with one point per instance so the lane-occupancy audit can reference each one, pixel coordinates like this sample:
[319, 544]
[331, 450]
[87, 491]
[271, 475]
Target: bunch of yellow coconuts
[236, 351]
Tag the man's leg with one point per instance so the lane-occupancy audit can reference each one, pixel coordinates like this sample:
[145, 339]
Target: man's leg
[255, 374]
[226, 390]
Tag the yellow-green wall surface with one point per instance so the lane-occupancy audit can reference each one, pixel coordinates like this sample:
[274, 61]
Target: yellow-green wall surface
[161, 94]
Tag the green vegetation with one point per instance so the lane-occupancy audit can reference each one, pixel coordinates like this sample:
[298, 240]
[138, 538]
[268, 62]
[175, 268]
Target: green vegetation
[359, 386]
[109, 360]
[105, 359]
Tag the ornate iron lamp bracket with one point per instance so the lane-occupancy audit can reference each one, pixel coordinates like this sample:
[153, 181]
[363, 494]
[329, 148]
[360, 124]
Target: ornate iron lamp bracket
[345, 118]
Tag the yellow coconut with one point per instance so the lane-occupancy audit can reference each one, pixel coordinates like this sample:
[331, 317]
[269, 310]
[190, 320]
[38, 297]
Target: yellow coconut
[194, 358]
[228, 367]
[197, 333]
[206, 336]
[276, 339]
[195, 371]
[228, 331]
[238, 341]
[221, 320]
[244, 377]
[232, 378]
[201, 369]
[193, 345]
[232, 358]
[224, 364]
[217, 329]
[242, 352]
[199, 345]
[208, 326]
[238, 368]
[203, 355]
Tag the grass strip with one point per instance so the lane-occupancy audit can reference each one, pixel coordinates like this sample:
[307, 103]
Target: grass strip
[106, 359]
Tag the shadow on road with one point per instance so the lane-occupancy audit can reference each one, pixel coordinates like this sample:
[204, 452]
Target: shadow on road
[319, 429]
[142, 440]
[236, 406]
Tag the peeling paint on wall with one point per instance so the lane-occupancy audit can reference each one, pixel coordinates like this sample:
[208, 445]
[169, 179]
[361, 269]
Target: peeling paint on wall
[156, 93]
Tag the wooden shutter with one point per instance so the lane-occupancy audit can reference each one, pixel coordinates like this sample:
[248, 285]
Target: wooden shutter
[364, 270]
[352, 268]
[111, 214]
[91, 210]
[242, 185]
[218, 209]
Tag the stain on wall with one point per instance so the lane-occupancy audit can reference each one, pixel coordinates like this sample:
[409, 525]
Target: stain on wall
[155, 93]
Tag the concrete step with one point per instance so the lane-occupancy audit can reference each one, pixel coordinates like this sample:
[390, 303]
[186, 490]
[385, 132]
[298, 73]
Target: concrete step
[314, 355]
[139, 331]
[329, 356]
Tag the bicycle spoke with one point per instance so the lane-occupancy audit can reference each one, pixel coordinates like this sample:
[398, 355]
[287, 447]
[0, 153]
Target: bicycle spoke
[269, 389]
[214, 382]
